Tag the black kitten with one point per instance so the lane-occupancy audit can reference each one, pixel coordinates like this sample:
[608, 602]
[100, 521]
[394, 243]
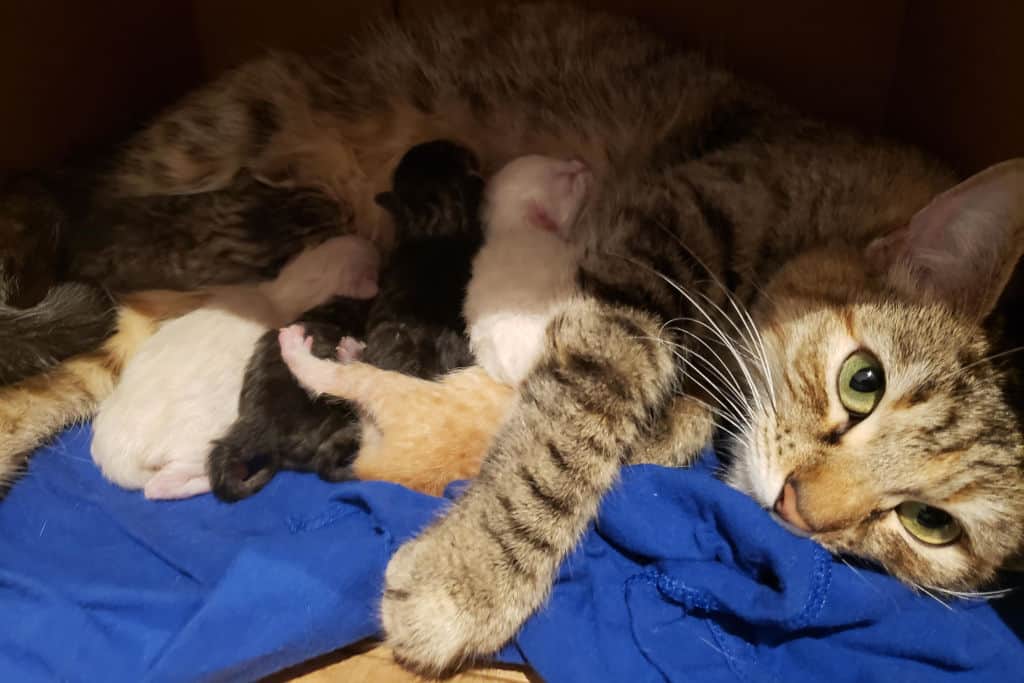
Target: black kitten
[279, 425]
[414, 326]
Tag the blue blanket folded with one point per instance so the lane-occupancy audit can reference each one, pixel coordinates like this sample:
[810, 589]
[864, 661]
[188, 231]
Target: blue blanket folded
[680, 579]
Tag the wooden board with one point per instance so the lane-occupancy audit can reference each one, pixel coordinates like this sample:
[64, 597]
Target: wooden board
[373, 663]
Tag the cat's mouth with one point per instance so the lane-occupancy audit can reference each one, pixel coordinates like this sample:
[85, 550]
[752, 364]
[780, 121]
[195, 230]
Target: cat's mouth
[763, 481]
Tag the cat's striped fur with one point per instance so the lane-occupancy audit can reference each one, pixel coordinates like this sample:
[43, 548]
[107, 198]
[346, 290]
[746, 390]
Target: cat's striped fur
[704, 186]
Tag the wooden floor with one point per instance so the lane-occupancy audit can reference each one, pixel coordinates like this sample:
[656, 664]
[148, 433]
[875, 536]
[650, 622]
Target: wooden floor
[372, 663]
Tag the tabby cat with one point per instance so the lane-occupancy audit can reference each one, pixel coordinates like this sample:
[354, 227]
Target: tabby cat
[845, 280]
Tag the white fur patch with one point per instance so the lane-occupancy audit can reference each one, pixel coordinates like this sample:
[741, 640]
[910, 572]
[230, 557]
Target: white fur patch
[180, 391]
[524, 275]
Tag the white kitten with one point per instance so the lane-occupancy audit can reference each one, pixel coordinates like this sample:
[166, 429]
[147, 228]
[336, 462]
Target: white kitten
[525, 273]
[181, 390]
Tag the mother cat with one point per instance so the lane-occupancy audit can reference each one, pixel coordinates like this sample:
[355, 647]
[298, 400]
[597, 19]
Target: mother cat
[859, 393]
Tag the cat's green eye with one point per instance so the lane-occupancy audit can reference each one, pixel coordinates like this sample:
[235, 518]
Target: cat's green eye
[928, 524]
[861, 383]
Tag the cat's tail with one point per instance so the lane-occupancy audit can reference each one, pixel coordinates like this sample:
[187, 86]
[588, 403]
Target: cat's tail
[237, 468]
[37, 407]
[72, 319]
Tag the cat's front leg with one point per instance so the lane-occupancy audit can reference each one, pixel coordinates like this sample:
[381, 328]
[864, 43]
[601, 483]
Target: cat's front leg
[466, 585]
[677, 437]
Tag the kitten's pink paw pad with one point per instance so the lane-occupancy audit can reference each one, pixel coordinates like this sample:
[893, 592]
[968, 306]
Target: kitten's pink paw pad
[349, 349]
[293, 342]
[177, 482]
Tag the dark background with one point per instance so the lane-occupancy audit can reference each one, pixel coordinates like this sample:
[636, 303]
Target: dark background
[945, 74]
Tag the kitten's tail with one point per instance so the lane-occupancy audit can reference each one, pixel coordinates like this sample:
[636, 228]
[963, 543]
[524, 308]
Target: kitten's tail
[72, 319]
[237, 470]
[37, 407]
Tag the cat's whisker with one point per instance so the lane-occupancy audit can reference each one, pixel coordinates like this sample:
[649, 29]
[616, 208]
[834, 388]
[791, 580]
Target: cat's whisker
[723, 372]
[735, 414]
[933, 596]
[730, 379]
[731, 433]
[705, 383]
[708, 386]
[760, 337]
[731, 344]
[758, 340]
[973, 595]
[746, 335]
[716, 649]
[693, 302]
[858, 574]
[726, 342]
[727, 410]
[754, 336]
[725, 365]
[741, 335]
[724, 338]
[730, 382]
[986, 359]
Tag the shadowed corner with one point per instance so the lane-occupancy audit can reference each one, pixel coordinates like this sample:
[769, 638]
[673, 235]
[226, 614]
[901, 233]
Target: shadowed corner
[1011, 607]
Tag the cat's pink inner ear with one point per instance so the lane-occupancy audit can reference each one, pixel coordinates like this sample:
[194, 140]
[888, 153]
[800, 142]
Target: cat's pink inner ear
[540, 218]
[962, 248]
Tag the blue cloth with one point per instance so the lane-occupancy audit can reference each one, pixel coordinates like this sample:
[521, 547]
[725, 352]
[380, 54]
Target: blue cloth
[681, 579]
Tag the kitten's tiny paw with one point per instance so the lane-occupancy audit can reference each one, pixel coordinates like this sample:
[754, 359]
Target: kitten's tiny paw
[439, 610]
[364, 286]
[293, 341]
[349, 349]
[297, 353]
[173, 483]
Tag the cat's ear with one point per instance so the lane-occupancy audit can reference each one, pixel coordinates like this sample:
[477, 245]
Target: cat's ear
[962, 248]
[388, 201]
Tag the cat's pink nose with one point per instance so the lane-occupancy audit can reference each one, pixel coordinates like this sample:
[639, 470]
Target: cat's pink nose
[786, 507]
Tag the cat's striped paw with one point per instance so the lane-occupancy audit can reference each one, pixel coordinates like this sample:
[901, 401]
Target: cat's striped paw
[443, 606]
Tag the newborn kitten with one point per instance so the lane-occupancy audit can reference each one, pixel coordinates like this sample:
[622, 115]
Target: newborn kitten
[419, 433]
[279, 426]
[414, 327]
[181, 390]
[525, 274]
[425, 434]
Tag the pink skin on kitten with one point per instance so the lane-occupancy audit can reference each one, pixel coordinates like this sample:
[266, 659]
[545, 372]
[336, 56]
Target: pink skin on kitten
[349, 349]
[561, 197]
[313, 373]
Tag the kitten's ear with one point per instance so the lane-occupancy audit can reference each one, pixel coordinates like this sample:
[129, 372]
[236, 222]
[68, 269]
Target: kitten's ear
[962, 248]
[388, 201]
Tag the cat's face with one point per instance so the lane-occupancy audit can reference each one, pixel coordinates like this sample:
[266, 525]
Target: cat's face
[878, 423]
[890, 438]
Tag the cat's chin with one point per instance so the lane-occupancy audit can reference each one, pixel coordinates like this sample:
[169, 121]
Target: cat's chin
[791, 528]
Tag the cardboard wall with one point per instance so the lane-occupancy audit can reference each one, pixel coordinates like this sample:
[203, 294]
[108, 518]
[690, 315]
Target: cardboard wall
[942, 73]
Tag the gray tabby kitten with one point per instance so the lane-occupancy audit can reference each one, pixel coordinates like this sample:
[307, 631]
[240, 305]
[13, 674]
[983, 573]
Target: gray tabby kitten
[816, 295]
